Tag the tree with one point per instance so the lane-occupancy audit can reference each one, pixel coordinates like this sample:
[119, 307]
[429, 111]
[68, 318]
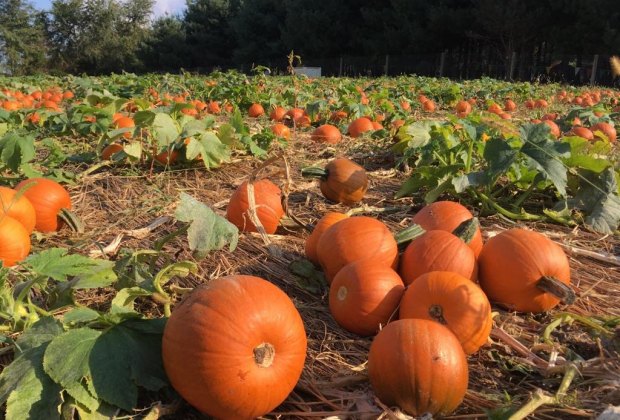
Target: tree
[21, 38]
[209, 31]
[166, 47]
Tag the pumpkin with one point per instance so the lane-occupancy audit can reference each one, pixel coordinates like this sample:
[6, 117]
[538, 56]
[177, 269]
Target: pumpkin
[555, 130]
[326, 133]
[322, 225]
[524, 271]
[17, 207]
[342, 180]
[451, 300]
[235, 348]
[110, 150]
[124, 122]
[447, 215]
[280, 130]
[463, 108]
[605, 128]
[14, 241]
[419, 366]
[167, 157]
[269, 209]
[364, 296]
[277, 114]
[356, 238]
[509, 105]
[50, 201]
[255, 111]
[437, 250]
[359, 126]
[582, 132]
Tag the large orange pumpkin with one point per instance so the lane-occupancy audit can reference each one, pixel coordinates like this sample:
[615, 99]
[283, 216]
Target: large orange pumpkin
[322, 225]
[342, 180]
[14, 241]
[48, 198]
[18, 208]
[360, 126]
[607, 129]
[524, 271]
[356, 238]
[451, 300]
[419, 366]
[269, 209]
[447, 215]
[364, 296]
[437, 250]
[235, 348]
[326, 133]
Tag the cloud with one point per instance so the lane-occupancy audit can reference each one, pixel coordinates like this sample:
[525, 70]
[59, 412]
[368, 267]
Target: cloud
[171, 7]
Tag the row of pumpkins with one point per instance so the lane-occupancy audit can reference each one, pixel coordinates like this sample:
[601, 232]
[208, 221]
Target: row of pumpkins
[235, 348]
[39, 204]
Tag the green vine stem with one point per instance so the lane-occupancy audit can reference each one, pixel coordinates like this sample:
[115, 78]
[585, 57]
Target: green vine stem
[408, 234]
[517, 203]
[511, 215]
[71, 219]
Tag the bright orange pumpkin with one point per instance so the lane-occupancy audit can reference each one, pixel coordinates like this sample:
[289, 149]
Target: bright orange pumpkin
[14, 241]
[322, 225]
[255, 111]
[268, 206]
[235, 348]
[342, 180]
[360, 126]
[326, 133]
[48, 198]
[19, 208]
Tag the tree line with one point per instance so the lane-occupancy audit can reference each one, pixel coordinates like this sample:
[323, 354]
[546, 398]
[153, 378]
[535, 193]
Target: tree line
[104, 36]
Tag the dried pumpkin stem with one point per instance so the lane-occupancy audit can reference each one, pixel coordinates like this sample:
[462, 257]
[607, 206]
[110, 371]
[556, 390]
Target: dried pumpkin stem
[264, 354]
[436, 312]
[467, 230]
[314, 172]
[558, 289]
[71, 219]
[409, 234]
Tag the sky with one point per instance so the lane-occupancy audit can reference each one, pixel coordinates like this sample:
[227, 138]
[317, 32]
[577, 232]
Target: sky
[160, 7]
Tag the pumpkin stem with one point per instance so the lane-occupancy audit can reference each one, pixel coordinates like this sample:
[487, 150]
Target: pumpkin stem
[264, 354]
[70, 218]
[314, 172]
[467, 230]
[436, 312]
[408, 234]
[557, 288]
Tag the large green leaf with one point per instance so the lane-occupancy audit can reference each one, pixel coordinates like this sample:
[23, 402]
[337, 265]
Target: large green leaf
[499, 156]
[58, 264]
[16, 149]
[598, 198]
[545, 154]
[165, 130]
[587, 155]
[208, 146]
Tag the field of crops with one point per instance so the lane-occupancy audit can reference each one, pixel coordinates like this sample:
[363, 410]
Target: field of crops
[437, 246]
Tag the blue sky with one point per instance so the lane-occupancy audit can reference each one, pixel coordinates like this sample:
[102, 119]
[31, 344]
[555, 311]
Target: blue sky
[160, 7]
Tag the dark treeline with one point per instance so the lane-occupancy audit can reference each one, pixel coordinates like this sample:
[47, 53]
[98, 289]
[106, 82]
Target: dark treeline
[103, 36]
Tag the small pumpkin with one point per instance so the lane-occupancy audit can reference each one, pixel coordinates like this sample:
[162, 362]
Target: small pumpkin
[364, 296]
[605, 128]
[269, 209]
[235, 348]
[14, 241]
[18, 207]
[326, 133]
[256, 110]
[356, 238]
[524, 271]
[447, 215]
[110, 150]
[51, 202]
[437, 250]
[419, 366]
[359, 126]
[342, 180]
[321, 226]
[451, 300]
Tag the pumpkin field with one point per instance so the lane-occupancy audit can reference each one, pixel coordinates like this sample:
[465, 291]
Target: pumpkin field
[238, 246]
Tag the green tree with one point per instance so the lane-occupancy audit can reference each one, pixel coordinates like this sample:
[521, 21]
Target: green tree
[21, 38]
[166, 46]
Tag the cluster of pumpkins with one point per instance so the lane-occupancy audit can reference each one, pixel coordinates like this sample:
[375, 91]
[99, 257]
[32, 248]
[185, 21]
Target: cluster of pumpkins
[39, 204]
[235, 348]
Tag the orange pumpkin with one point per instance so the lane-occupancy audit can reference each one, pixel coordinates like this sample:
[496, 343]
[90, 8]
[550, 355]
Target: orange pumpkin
[437, 250]
[235, 348]
[268, 206]
[124, 122]
[605, 128]
[326, 133]
[356, 238]
[14, 241]
[582, 132]
[360, 126]
[342, 180]
[48, 198]
[255, 111]
[364, 296]
[277, 114]
[524, 271]
[451, 300]
[19, 208]
[110, 150]
[322, 225]
[447, 215]
[419, 366]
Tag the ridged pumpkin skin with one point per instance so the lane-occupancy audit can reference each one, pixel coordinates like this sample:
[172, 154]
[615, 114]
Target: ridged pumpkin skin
[353, 239]
[359, 126]
[447, 215]
[437, 250]
[345, 182]
[364, 295]
[48, 198]
[212, 347]
[451, 300]
[511, 264]
[256, 110]
[326, 133]
[20, 209]
[419, 366]
[322, 225]
[268, 206]
[14, 241]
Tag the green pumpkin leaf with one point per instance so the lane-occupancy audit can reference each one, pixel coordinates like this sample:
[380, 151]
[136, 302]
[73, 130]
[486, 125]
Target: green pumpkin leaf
[58, 264]
[598, 198]
[16, 150]
[165, 130]
[208, 146]
[499, 155]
